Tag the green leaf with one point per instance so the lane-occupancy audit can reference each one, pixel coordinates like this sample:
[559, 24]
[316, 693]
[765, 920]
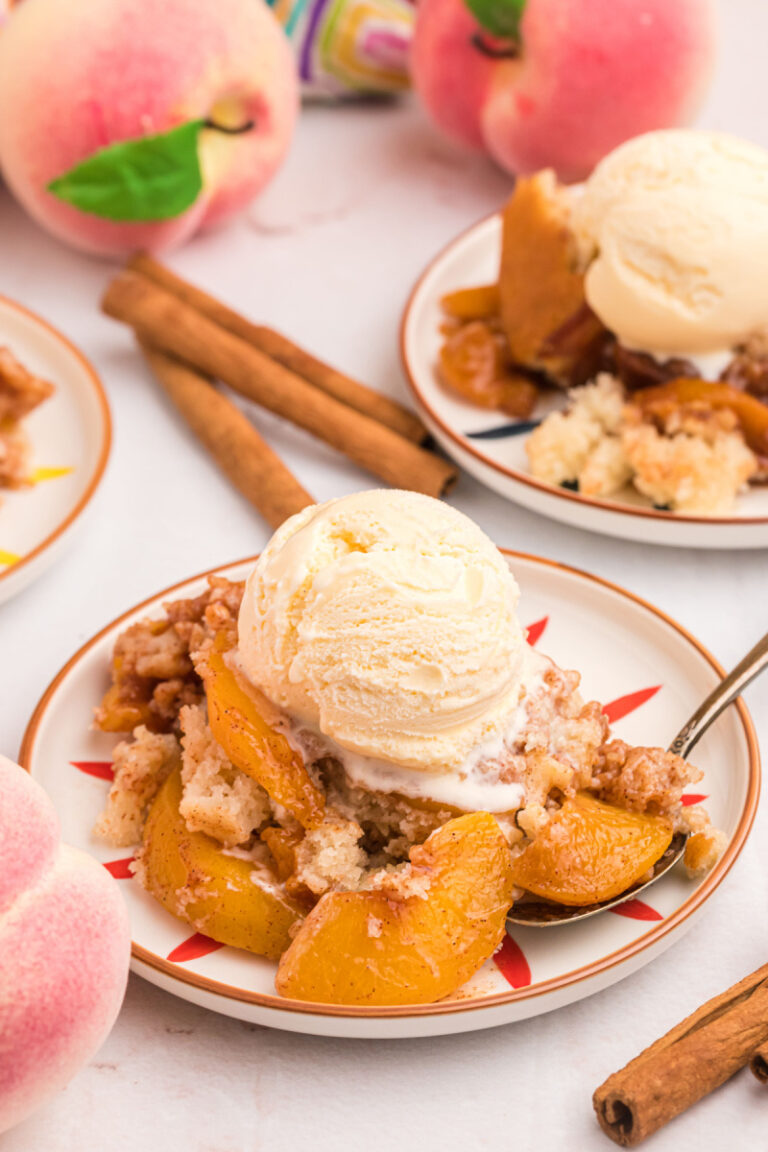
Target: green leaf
[152, 178]
[499, 17]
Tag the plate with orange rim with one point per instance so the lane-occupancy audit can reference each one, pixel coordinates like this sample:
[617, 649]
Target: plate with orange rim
[650, 672]
[491, 447]
[70, 435]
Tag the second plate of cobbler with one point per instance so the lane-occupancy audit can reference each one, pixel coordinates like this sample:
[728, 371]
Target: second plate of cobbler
[55, 434]
[323, 776]
[599, 353]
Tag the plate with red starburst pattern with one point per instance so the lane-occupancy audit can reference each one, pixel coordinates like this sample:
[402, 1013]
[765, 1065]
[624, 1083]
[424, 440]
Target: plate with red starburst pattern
[650, 675]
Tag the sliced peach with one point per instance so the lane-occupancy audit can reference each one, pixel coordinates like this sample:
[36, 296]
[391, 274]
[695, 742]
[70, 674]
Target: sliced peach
[473, 363]
[282, 843]
[472, 360]
[750, 412]
[590, 851]
[226, 897]
[415, 938]
[117, 713]
[239, 722]
[127, 702]
[472, 303]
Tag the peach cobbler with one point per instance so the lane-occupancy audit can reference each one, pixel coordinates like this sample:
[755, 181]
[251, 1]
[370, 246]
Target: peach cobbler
[640, 293]
[20, 393]
[354, 762]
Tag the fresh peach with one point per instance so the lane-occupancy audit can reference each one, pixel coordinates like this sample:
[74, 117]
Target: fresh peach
[450, 75]
[583, 76]
[64, 950]
[77, 78]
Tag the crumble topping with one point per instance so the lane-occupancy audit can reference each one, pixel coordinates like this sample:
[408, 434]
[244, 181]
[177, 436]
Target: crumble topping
[331, 856]
[14, 455]
[702, 852]
[20, 390]
[683, 457]
[140, 767]
[153, 675]
[642, 779]
[217, 798]
[20, 393]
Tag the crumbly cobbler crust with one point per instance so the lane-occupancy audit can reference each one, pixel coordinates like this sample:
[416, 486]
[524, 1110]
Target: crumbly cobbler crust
[20, 393]
[564, 747]
[688, 458]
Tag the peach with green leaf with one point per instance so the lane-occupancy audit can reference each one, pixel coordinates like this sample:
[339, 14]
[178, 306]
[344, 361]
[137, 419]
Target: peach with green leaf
[560, 83]
[126, 125]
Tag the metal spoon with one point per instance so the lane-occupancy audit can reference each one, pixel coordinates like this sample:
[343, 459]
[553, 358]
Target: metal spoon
[544, 914]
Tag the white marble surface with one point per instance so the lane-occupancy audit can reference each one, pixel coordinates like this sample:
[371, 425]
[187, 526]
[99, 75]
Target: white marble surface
[328, 255]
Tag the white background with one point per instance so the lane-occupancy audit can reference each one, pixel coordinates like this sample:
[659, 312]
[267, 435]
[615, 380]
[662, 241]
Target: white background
[328, 255]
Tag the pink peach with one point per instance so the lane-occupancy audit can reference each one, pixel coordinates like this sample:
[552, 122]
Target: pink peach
[75, 78]
[589, 74]
[451, 77]
[64, 950]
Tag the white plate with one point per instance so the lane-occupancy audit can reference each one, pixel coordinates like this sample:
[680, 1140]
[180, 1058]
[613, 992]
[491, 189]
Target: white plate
[626, 650]
[501, 464]
[70, 435]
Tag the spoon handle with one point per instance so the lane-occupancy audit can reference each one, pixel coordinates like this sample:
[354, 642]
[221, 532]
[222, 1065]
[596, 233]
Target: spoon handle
[727, 690]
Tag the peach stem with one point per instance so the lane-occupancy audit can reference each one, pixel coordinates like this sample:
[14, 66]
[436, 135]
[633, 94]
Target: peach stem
[506, 50]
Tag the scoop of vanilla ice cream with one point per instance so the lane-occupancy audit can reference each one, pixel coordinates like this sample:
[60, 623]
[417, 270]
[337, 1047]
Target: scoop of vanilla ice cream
[676, 226]
[387, 621]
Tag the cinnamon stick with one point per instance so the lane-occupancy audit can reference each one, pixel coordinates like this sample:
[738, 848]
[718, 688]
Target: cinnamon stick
[172, 326]
[238, 449]
[759, 1063]
[694, 1058]
[351, 392]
